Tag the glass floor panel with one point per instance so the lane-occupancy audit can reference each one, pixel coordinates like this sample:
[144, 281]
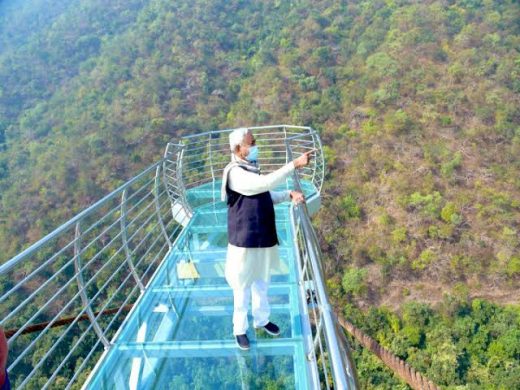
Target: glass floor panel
[179, 334]
[274, 365]
[210, 265]
[194, 314]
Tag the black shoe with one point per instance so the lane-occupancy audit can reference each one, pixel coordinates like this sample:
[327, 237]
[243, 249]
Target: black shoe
[272, 329]
[242, 341]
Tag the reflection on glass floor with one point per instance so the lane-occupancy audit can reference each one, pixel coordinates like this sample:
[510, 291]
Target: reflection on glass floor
[179, 334]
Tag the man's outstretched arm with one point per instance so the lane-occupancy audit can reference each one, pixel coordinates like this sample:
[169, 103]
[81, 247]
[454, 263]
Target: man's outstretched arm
[249, 183]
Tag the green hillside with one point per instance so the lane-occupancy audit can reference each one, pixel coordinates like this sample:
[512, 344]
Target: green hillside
[418, 104]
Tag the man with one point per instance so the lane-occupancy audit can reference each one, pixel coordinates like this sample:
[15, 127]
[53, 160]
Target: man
[253, 243]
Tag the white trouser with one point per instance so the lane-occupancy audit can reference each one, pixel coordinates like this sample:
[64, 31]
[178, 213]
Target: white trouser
[260, 306]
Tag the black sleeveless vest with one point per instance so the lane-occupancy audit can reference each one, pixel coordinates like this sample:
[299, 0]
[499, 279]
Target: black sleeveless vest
[251, 220]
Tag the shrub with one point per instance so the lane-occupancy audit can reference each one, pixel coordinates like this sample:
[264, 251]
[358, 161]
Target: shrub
[449, 214]
[350, 207]
[399, 235]
[425, 258]
[353, 281]
[397, 122]
[513, 267]
[429, 204]
[450, 166]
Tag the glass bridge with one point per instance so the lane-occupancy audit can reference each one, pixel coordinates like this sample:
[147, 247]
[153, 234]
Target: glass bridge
[101, 302]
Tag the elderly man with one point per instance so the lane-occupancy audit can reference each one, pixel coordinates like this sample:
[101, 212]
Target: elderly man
[253, 243]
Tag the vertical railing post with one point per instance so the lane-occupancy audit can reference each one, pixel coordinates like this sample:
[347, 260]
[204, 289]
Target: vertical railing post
[315, 341]
[165, 178]
[182, 189]
[158, 206]
[285, 141]
[210, 159]
[125, 242]
[286, 153]
[81, 287]
[318, 146]
[314, 137]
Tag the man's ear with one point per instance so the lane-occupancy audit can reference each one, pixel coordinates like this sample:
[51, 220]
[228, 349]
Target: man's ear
[237, 149]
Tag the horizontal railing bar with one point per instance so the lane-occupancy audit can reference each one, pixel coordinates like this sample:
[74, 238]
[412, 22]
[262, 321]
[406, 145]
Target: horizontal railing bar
[44, 357]
[171, 187]
[203, 163]
[224, 146]
[113, 319]
[204, 180]
[64, 360]
[296, 140]
[18, 308]
[132, 292]
[85, 360]
[190, 152]
[8, 265]
[110, 212]
[69, 263]
[152, 203]
[133, 251]
[263, 161]
[174, 195]
[116, 222]
[190, 136]
[47, 262]
[172, 183]
[189, 182]
[301, 135]
[143, 275]
[206, 168]
[34, 272]
[170, 163]
[114, 273]
[167, 169]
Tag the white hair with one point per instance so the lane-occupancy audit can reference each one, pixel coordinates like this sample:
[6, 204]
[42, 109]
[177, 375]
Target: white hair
[236, 137]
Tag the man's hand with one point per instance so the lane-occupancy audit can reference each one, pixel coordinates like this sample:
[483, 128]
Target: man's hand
[304, 159]
[297, 197]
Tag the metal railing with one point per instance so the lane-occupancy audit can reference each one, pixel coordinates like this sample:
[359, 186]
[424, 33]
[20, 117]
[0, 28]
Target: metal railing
[329, 346]
[93, 267]
[205, 155]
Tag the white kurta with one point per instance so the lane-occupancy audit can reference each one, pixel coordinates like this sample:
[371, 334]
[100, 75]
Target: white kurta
[245, 265]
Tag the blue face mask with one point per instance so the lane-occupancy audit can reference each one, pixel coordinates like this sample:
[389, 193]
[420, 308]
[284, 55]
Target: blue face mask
[253, 153]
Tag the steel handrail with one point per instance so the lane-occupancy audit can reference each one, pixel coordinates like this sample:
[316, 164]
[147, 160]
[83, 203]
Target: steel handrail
[342, 364]
[199, 161]
[8, 265]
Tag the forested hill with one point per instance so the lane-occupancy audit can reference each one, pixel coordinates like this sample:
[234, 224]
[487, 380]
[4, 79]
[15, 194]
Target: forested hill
[418, 104]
